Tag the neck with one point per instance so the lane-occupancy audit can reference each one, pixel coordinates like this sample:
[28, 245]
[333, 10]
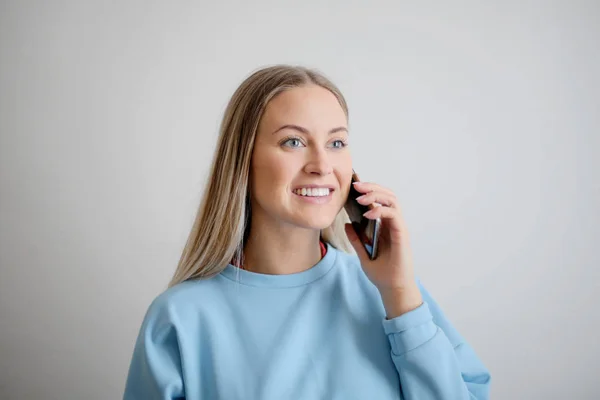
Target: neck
[278, 249]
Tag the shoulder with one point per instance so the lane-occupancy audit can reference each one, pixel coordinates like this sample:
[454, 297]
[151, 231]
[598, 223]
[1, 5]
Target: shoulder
[178, 303]
[349, 273]
[349, 261]
[349, 266]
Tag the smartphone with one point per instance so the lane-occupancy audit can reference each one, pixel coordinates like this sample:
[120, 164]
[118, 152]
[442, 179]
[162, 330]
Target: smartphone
[366, 229]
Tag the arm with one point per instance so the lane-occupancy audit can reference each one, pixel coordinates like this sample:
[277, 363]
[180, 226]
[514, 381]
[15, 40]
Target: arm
[432, 359]
[155, 372]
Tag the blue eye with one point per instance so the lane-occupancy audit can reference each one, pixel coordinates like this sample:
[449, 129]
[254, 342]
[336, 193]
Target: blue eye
[292, 142]
[340, 144]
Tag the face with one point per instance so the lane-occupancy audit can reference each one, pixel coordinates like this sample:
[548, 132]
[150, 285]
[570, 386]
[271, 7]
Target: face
[301, 165]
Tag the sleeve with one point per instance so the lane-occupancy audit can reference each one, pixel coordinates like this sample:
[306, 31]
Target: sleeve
[432, 359]
[155, 372]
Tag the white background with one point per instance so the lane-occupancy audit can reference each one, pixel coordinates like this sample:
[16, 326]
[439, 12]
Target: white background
[482, 116]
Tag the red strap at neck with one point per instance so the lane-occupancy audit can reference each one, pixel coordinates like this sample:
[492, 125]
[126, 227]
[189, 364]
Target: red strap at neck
[323, 248]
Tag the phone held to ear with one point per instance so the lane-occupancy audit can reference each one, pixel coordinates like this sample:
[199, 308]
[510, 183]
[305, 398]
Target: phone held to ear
[366, 229]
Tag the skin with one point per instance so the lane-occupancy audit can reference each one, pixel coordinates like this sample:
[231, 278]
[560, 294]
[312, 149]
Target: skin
[303, 139]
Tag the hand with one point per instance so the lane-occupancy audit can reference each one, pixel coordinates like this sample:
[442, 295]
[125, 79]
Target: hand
[392, 272]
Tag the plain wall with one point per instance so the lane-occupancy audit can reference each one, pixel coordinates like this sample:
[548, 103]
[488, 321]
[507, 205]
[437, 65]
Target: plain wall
[483, 117]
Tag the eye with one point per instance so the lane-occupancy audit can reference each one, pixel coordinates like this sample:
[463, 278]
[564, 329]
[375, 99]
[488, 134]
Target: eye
[338, 144]
[292, 142]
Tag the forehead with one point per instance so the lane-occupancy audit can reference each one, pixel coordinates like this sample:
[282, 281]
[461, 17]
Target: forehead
[311, 106]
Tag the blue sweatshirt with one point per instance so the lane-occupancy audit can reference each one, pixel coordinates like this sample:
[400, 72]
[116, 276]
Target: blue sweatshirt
[317, 334]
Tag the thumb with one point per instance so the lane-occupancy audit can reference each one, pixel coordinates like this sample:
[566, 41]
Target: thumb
[357, 244]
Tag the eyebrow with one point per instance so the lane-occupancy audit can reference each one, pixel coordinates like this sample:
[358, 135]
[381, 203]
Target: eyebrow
[305, 131]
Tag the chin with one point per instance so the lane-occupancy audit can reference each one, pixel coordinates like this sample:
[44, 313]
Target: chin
[316, 222]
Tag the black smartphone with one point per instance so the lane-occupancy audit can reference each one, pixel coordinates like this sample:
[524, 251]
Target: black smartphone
[366, 229]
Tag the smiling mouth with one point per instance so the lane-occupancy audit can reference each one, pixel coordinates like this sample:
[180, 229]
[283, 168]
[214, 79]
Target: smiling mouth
[313, 192]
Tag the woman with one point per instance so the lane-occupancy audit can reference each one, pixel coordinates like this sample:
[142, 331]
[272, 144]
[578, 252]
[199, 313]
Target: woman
[268, 301]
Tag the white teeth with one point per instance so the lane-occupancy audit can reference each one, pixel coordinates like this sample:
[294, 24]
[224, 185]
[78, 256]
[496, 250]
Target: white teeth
[312, 192]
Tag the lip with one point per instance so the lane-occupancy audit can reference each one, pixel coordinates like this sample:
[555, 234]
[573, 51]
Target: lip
[315, 200]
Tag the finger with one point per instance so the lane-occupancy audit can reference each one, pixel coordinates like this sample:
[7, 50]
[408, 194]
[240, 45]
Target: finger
[356, 244]
[393, 217]
[365, 187]
[382, 198]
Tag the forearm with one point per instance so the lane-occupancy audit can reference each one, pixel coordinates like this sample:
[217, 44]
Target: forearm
[400, 301]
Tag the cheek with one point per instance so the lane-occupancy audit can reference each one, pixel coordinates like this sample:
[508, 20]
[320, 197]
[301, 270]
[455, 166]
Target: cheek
[271, 171]
[342, 161]
[343, 167]
[345, 180]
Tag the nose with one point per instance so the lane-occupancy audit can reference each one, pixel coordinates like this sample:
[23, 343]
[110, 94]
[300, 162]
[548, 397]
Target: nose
[319, 163]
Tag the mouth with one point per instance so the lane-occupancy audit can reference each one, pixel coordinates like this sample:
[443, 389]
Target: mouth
[313, 191]
[314, 195]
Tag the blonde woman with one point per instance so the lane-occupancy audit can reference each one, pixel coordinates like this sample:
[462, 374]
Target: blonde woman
[274, 296]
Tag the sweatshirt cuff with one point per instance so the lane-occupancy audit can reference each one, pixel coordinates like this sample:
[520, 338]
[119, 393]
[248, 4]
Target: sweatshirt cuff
[410, 330]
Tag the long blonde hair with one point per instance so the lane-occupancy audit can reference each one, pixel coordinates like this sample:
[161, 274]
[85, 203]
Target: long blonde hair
[223, 219]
